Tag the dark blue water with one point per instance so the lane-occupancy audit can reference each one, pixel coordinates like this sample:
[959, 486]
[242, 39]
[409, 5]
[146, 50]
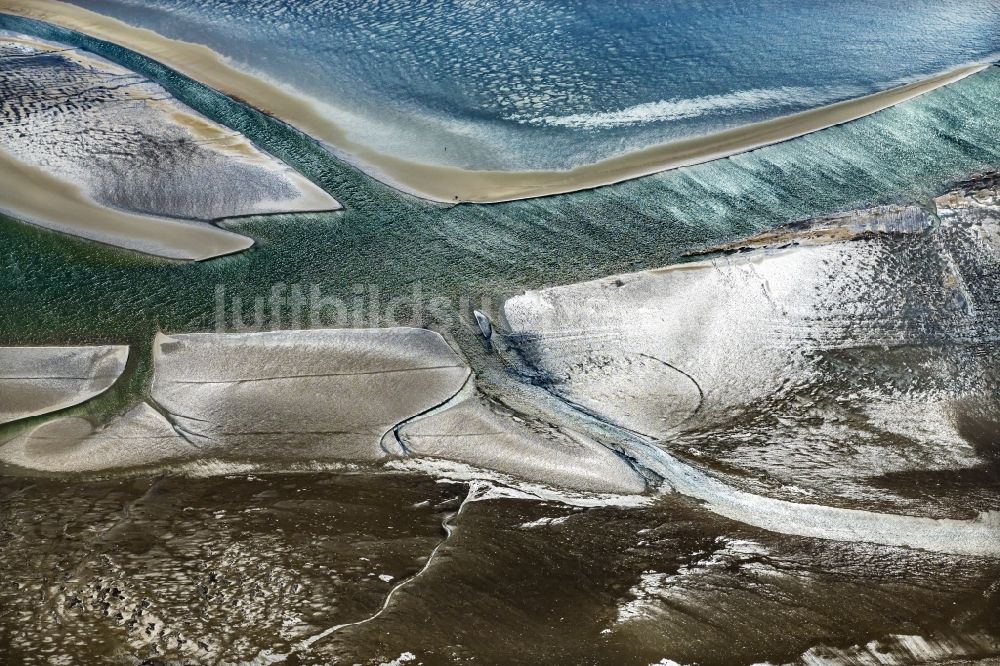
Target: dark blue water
[525, 84]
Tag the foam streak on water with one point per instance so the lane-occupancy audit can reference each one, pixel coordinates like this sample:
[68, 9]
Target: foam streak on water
[542, 85]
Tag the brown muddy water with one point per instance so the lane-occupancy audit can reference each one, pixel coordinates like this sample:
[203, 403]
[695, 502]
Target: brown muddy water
[365, 566]
[297, 568]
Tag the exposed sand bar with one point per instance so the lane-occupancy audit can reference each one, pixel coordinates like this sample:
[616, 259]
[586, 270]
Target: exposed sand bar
[126, 163]
[977, 537]
[39, 380]
[32, 194]
[443, 183]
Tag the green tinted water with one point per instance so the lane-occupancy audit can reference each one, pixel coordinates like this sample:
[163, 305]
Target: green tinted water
[385, 244]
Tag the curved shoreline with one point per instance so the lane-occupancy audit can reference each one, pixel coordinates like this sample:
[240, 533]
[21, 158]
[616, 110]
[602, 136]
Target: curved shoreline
[454, 184]
[32, 194]
[110, 188]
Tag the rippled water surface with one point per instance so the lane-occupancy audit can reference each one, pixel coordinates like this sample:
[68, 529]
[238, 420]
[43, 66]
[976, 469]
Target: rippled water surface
[160, 566]
[237, 568]
[535, 84]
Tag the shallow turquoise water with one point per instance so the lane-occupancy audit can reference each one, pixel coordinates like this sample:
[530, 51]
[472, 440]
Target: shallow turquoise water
[62, 289]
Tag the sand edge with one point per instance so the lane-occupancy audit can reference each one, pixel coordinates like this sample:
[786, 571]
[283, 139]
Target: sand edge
[454, 184]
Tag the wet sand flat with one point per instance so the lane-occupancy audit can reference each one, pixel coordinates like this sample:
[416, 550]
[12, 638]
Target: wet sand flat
[737, 377]
[30, 193]
[265, 568]
[94, 149]
[37, 380]
[453, 184]
[196, 571]
[291, 398]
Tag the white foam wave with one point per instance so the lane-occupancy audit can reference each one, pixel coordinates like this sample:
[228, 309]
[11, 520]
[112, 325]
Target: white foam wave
[679, 109]
[754, 99]
[497, 485]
